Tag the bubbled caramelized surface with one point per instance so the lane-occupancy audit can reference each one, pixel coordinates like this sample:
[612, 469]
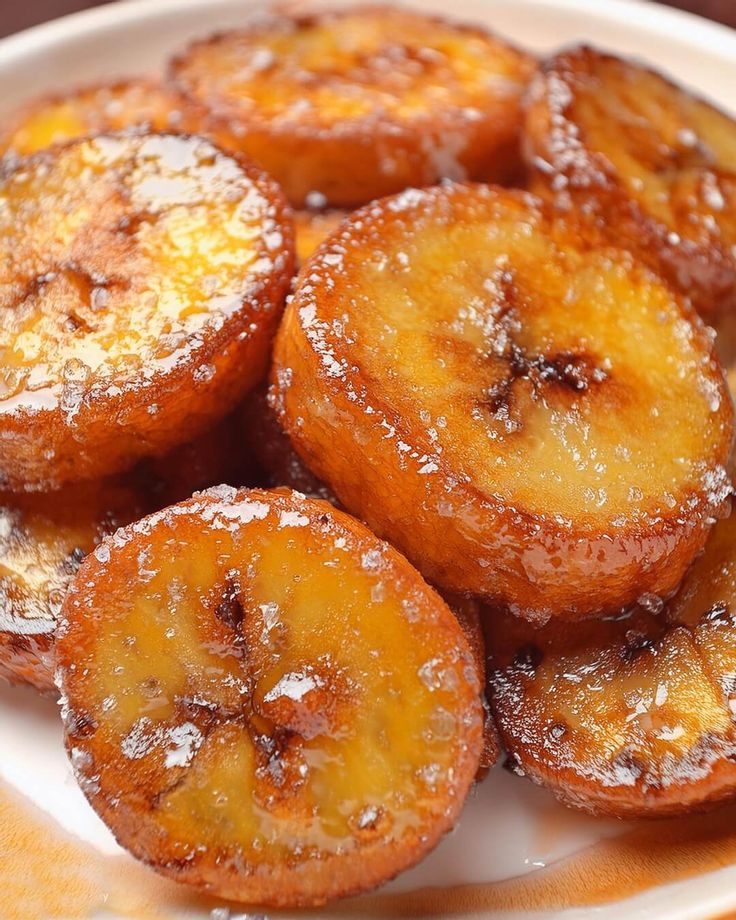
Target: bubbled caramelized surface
[262, 698]
[138, 103]
[119, 271]
[369, 62]
[140, 282]
[352, 104]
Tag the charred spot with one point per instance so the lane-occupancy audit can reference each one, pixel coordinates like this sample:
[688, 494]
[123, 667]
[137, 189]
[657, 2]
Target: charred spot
[573, 371]
[629, 762]
[230, 610]
[718, 613]
[528, 658]
[513, 765]
[566, 370]
[130, 223]
[80, 724]
[557, 731]
[271, 753]
[636, 644]
[73, 560]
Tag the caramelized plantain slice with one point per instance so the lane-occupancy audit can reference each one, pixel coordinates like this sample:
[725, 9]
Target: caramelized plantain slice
[651, 163]
[45, 536]
[99, 109]
[43, 539]
[263, 700]
[529, 416]
[354, 104]
[634, 715]
[312, 227]
[141, 281]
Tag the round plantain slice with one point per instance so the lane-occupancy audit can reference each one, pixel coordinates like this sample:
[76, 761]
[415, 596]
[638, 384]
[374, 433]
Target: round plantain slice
[634, 715]
[263, 700]
[354, 104]
[45, 536]
[141, 281]
[530, 417]
[312, 227]
[648, 161]
[99, 109]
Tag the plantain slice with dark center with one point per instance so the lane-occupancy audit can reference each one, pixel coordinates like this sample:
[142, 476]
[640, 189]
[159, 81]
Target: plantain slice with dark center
[265, 701]
[532, 415]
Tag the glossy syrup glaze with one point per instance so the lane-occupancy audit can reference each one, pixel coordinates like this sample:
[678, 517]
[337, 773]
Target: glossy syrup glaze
[48, 874]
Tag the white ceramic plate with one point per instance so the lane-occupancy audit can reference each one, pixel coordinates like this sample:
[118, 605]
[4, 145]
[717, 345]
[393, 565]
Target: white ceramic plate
[73, 868]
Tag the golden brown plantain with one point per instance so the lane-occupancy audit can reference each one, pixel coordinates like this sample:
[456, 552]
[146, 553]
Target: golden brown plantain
[529, 416]
[354, 104]
[263, 700]
[312, 227]
[634, 715]
[99, 109]
[45, 536]
[141, 281]
[43, 539]
[649, 162]
[278, 464]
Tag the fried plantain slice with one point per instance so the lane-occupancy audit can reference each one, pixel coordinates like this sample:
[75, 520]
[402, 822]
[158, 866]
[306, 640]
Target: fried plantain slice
[141, 281]
[263, 700]
[99, 109]
[312, 227]
[43, 539]
[650, 162]
[631, 716]
[353, 104]
[530, 417]
[45, 536]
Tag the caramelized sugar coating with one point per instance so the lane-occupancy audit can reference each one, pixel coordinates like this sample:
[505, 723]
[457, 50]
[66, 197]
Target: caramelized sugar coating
[647, 160]
[276, 461]
[45, 536]
[361, 102]
[141, 103]
[273, 706]
[635, 715]
[529, 416]
[312, 227]
[141, 281]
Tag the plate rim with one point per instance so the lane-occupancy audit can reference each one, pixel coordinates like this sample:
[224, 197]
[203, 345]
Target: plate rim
[670, 22]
